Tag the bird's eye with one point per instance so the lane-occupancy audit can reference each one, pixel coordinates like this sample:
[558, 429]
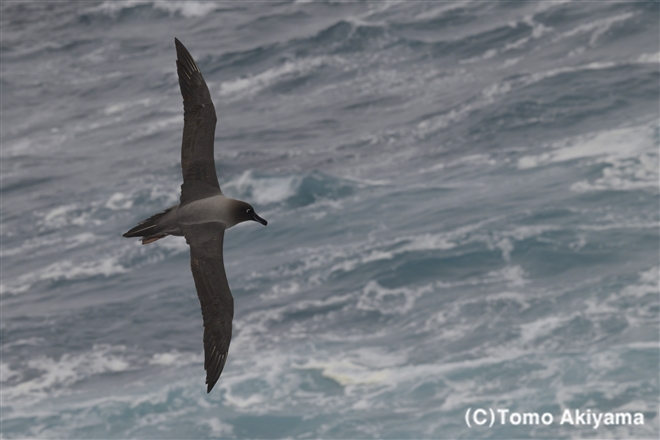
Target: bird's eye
[248, 210]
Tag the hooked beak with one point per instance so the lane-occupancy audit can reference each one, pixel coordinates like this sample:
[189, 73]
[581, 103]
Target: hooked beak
[256, 218]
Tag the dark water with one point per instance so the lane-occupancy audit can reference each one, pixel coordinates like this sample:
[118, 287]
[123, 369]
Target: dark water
[462, 202]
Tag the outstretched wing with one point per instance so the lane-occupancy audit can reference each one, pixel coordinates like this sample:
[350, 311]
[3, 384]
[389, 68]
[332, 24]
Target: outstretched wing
[208, 270]
[199, 120]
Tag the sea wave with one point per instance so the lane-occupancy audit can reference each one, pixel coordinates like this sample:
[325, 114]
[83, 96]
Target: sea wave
[296, 190]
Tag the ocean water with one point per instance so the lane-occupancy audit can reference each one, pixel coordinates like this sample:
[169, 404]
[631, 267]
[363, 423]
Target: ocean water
[463, 208]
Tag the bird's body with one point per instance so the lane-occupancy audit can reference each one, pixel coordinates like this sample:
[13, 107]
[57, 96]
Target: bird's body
[214, 209]
[211, 209]
[202, 216]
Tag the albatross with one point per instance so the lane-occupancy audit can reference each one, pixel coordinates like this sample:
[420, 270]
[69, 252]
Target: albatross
[202, 215]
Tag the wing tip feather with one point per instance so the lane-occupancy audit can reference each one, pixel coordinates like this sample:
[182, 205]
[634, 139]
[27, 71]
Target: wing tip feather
[184, 57]
[213, 374]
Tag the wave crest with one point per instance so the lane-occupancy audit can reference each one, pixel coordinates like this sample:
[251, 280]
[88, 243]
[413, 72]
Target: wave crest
[296, 189]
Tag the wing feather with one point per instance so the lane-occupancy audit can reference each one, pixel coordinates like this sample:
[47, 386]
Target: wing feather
[207, 264]
[199, 119]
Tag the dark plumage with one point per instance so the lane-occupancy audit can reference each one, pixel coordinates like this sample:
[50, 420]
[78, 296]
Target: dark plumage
[199, 118]
[202, 216]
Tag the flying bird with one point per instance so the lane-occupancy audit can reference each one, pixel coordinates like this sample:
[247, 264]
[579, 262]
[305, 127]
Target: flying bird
[202, 215]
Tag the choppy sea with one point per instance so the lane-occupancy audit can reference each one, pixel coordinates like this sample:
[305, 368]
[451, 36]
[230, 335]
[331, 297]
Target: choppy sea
[463, 208]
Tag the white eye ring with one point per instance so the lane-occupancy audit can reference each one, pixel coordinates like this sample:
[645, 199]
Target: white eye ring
[248, 210]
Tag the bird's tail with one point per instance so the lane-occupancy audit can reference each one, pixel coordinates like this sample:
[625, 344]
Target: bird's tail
[150, 230]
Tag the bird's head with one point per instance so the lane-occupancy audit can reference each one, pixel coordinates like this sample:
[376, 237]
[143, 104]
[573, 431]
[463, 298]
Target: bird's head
[244, 211]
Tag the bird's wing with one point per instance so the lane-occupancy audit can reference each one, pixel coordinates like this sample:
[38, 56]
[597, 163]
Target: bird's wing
[208, 270]
[199, 120]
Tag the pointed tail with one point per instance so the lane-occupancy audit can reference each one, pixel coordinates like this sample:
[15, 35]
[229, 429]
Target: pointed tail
[150, 230]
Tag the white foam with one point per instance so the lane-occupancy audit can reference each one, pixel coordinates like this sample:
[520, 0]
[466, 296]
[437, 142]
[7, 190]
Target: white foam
[188, 9]
[70, 270]
[317, 264]
[524, 232]
[57, 375]
[249, 86]
[17, 147]
[152, 127]
[540, 76]
[113, 7]
[366, 182]
[512, 275]
[350, 264]
[624, 174]
[619, 224]
[258, 322]
[87, 214]
[471, 159]
[121, 107]
[389, 301]
[417, 243]
[511, 62]
[630, 153]
[436, 10]
[219, 428]
[531, 331]
[410, 373]
[7, 373]
[35, 244]
[352, 255]
[37, 143]
[487, 97]
[119, 201]
[346, 372]
[55, 217]
[168, 192]
[490, 94]
[597, 27]
[443, 121]
[449, 323]
[621, 142]
[651, 58]
[538, 30]
[626, 304]
[34, 341]
[244, 403]
[283, 290]
[66, 215]
[65, 270]
[265, 190]
[649, 283]
[175, 359]
[576, 51]
[650, 276]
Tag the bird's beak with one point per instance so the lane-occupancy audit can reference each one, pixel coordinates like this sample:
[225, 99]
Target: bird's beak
[256, 218]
